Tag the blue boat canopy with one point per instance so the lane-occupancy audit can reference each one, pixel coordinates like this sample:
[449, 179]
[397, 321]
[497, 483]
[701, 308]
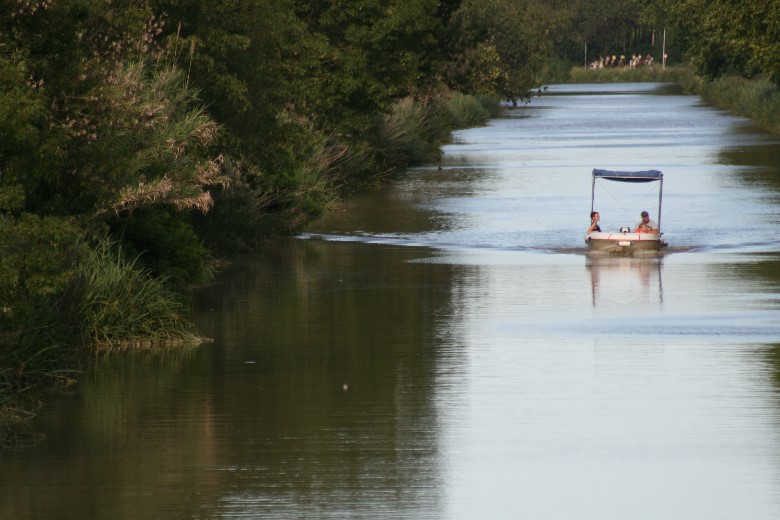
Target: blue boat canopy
[643, 176]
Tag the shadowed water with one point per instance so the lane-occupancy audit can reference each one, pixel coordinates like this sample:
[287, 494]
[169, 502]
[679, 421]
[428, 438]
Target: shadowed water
[445, 348]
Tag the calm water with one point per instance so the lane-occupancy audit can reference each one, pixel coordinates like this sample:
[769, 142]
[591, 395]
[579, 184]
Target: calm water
[444, 348]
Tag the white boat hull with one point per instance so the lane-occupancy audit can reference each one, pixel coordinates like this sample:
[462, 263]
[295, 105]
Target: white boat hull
[624, 243]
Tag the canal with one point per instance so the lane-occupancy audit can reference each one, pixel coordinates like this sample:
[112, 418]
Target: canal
[444, 347]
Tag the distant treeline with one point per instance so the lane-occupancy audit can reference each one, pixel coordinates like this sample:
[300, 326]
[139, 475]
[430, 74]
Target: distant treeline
[141, 139]
[716, 37]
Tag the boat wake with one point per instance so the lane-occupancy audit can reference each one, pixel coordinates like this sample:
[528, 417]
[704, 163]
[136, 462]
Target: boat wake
[436, 243]
[428, 243]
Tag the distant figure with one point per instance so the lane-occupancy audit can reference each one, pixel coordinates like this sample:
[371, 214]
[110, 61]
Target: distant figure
[646, 225]
[594, 222]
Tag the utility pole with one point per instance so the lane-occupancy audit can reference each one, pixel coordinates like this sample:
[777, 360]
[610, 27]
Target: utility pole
[663, 51]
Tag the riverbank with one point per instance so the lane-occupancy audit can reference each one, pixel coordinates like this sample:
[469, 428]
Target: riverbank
[757, 98]
[63, 294]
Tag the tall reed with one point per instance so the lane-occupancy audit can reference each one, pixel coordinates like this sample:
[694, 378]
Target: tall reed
[464, 111]
[123, 305]
[403, 134]
[413, 130]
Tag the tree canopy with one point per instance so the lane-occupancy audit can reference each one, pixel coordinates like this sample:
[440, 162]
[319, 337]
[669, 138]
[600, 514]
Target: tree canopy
[143, 107]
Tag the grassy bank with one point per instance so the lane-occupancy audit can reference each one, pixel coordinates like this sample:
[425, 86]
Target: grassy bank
[411, 132]
[61, 297]
[757, 98]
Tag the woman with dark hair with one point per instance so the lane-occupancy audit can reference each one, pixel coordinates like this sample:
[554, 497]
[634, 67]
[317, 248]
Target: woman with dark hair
[594, 222]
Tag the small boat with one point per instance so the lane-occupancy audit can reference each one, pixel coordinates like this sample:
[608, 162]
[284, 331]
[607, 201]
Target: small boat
[626, 241]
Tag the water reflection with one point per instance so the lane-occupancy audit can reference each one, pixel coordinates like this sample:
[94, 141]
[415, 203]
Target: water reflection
[333, 349]
[451, 352]
[616, 280]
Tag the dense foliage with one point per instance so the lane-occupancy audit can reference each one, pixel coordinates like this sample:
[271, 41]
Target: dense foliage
[177, 129]
[139, 138]
[736, 37]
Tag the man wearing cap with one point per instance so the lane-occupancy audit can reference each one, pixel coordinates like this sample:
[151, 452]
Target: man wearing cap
[646, 225]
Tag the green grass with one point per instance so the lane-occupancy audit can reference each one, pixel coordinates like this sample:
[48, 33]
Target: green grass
[403, 134]
[465, 111]
[122, 305]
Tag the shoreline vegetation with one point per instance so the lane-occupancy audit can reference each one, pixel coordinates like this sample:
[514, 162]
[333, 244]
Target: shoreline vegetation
[93, 299]
[122, 306]
[756, 98]
[144, 141]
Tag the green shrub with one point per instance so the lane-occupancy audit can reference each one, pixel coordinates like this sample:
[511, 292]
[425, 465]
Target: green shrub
[38, 262]
[165, 243]
[39, 258]
[247, 211]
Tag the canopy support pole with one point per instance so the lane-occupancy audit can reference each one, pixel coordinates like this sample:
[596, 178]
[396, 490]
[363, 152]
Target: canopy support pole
[660, 201]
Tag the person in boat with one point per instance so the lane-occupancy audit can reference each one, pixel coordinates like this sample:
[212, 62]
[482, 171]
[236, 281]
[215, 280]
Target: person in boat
[594, 222]
[646, 225]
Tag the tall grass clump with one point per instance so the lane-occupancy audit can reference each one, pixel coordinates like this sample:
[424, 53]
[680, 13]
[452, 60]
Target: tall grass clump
[403, 134]
[756, 98]
[412, 131]
[491, 104]
[125, 306]
[463, 111]
[272, 192]
[409, 133]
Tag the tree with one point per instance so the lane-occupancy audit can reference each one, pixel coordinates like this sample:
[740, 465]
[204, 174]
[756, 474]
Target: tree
[377, 51]
[100, 122]
[119, 126]
[729, 36]
[500, 46]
